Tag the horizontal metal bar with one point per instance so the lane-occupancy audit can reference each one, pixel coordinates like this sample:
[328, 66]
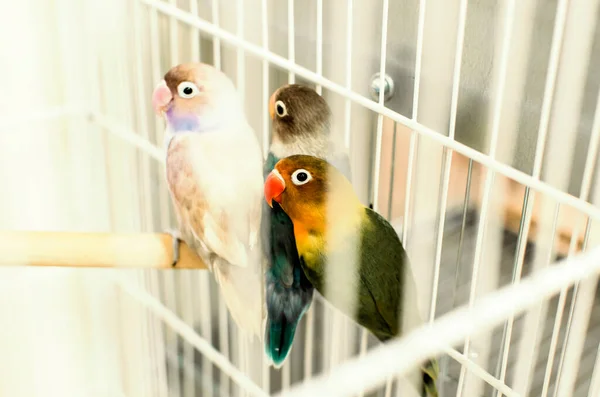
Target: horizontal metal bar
[128, 135]
[30, 116]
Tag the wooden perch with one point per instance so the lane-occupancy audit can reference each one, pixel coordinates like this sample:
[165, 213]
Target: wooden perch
[150, 250]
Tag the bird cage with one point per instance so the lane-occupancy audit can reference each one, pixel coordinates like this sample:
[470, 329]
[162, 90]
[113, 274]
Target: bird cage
[472, 126]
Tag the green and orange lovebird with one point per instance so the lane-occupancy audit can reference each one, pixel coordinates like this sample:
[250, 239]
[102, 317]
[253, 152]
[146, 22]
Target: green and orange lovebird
[348, 252]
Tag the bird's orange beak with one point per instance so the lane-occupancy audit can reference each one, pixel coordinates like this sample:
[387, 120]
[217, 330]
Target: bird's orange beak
[274, 187]
[161, 97]
[272, 106]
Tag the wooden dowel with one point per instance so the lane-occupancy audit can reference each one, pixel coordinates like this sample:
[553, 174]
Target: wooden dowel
[150, 250]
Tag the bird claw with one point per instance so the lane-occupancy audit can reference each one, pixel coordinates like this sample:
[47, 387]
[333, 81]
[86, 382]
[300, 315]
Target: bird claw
[176, 237]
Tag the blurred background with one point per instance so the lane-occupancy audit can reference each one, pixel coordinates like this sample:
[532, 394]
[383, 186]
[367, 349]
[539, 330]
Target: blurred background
[81, 150]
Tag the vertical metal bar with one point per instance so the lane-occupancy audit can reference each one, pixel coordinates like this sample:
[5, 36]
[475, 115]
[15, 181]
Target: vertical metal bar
[266, 382]
[194, 33]
[348, 105]
[379, 132]
[163, 215]
[308, 344]
[556, 47]
[339, 344]
[188, 282]
[173, 35]
[156, 76]
[310, 315]
[319, 50]
[379, 136]
[202, 281]
[592, 154]
[241, 61]
[463, 226]
[580, 302]
[444, 369]
[552, 349]
[142, 116]
[392, 172]
[414, 138]
[216, 40]
[222, 308]
[595, 380]
[159, 335]
[364, 335]
[242, 338]
[286, 375]
[170, 294]
[205, 310]
[291, 40]
[580, 38]
[499, 99]
[187, 314]
[265, 79]
[285, 378]
[460, 39]
[557, 41]
[146, 182]
[223, 343]
[585, 188]
[517, 270]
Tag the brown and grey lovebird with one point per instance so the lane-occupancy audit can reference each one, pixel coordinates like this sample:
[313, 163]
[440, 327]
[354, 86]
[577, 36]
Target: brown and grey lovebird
[214, 175]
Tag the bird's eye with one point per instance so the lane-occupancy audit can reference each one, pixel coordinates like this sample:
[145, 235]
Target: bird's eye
[187, 89]
[280, 109]
[300, 177]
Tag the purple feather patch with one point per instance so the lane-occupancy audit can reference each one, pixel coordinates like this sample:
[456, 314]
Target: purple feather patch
[182, 122]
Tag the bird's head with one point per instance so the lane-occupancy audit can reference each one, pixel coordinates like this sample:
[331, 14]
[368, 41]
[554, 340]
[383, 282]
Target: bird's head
[195, 97]
[303, 185]
[298, 112]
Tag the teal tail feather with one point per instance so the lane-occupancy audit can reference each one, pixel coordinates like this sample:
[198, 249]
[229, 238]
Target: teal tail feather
[279, 337]
[288, 291]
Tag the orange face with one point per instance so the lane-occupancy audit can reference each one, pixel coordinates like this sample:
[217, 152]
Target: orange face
[303, 186]
[272, 105]
[299, 184]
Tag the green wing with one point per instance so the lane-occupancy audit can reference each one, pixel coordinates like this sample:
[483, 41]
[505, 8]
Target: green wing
[383, 262]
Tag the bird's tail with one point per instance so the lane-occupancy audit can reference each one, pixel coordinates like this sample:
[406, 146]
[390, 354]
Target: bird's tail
[279, 335]
[430, 372]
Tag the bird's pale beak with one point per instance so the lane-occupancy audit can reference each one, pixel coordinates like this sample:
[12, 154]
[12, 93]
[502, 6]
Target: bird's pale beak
[161, 97]
[272, 106]
[274, 187]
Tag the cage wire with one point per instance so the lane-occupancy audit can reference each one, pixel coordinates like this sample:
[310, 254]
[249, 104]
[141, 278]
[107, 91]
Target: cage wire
[481, 151]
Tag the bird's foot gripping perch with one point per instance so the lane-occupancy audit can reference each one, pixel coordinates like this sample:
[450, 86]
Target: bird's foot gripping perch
[176, 237]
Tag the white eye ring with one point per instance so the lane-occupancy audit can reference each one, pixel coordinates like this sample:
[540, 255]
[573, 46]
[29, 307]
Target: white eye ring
[187, 90]
[280, 109]
[297, 181]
